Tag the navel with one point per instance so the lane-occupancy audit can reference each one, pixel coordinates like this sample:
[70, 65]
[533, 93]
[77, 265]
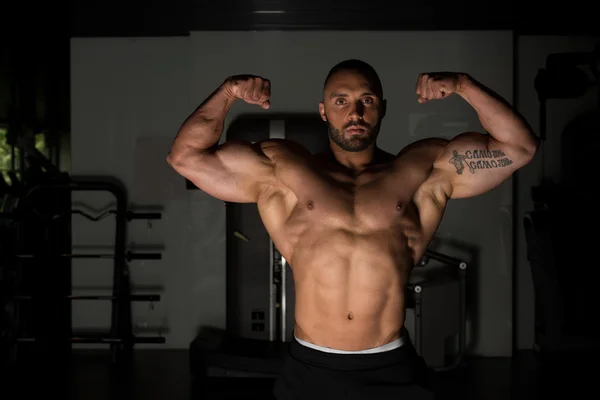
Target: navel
[350, 316]
[309, 205]
[399, 206]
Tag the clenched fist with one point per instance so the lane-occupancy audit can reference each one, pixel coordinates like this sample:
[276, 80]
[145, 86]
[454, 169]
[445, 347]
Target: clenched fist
[437, 85]
[252, 89]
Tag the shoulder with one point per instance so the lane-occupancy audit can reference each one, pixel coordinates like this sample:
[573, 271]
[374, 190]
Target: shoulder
[282, 150]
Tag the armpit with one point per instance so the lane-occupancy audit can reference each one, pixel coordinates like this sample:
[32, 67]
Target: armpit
[431, 200]
[436, 190]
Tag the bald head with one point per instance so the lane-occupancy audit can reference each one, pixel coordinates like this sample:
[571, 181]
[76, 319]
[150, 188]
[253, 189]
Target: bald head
[352, 105]
[359, 67]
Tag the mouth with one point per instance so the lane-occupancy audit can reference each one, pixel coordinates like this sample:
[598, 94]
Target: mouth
[355, 131]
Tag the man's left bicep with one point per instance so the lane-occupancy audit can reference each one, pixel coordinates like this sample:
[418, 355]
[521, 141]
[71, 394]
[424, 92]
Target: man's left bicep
[475, 163]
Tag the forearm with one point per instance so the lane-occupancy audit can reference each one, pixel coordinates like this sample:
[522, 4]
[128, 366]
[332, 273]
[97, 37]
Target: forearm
[202, 130]
[498, 118]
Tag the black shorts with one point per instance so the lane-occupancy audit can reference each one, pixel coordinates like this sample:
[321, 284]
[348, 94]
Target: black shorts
[313, 374]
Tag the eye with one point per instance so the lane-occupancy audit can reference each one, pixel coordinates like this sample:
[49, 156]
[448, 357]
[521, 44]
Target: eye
[340, 102]
[368, 100]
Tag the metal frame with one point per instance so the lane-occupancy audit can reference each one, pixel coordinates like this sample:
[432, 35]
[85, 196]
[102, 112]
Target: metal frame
[121, 336]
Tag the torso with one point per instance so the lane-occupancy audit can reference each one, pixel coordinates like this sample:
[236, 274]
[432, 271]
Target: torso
[351, 240]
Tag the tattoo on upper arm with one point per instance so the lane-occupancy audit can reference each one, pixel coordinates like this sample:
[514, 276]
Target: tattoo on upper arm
[475, 160]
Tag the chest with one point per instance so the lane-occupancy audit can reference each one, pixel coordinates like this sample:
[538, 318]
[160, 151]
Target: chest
[373, 200]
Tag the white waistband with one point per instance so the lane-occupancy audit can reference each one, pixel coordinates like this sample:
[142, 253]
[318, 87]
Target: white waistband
[386, 347]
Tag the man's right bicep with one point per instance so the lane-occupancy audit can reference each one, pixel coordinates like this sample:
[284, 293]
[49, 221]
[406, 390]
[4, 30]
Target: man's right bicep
[234, 171]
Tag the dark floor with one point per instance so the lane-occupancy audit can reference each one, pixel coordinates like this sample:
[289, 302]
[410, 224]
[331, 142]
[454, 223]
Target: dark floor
[164, 374]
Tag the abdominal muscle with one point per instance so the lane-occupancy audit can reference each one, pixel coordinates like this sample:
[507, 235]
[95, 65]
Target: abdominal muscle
[350, 289]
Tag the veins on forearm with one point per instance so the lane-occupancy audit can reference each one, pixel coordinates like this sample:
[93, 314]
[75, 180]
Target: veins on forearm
[478, 159]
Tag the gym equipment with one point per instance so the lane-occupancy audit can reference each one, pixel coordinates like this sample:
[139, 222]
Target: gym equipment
[36, 307]
[436, 312]
[260, 291]
[564, 302]
[129, 215]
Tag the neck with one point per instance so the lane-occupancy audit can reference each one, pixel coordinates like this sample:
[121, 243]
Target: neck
[355, 161]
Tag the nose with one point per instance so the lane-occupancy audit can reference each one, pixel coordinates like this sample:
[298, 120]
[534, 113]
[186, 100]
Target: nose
[357, 111]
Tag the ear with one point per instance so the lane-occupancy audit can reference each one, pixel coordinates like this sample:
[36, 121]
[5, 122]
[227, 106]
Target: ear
[322, 111]
[383, 107]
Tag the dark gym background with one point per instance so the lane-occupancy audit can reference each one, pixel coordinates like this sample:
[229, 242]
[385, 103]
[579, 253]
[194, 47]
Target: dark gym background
[99, 89]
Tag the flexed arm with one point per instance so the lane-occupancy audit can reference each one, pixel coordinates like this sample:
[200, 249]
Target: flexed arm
[235, 171]
[473, 162]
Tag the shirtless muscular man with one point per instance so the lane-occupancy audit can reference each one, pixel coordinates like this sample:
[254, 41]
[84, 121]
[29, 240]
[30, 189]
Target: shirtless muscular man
[352, 221]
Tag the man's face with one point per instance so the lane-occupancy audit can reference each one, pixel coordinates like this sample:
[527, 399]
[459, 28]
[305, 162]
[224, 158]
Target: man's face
[353, 110]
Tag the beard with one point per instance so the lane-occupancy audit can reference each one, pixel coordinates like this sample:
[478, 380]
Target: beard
[354, 143]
